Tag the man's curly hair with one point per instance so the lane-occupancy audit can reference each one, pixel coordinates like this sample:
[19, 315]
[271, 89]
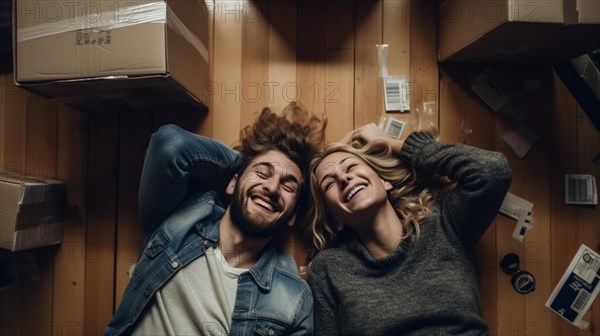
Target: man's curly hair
[295, 133]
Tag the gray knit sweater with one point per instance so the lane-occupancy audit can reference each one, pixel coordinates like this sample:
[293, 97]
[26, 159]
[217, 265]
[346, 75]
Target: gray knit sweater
[428, 285]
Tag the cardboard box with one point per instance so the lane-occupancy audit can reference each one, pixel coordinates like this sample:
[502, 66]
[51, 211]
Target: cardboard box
[31, 211]
[517, 31]
[117, 55]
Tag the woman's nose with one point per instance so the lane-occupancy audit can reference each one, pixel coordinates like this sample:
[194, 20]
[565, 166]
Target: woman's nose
[346, 178]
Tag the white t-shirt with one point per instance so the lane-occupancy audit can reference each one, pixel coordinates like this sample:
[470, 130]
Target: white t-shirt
[197, 300]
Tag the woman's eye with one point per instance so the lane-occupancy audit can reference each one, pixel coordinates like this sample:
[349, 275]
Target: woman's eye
[328, 185]
[351, 166]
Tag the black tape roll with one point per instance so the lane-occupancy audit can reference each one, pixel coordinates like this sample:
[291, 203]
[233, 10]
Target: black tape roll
[522, 281]
[510, 263]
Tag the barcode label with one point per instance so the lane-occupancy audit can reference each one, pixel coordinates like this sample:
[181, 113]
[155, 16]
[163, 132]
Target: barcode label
[394, 127]
[396, 93]
[392, 91]
[582, 299]
[577, 288]
[580, 189]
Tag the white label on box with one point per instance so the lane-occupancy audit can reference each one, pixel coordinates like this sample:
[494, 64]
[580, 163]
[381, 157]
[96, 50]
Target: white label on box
[580, 189]
[514, 206]
[396, 93]
[578, 287]
[520, 209]
[394, 127]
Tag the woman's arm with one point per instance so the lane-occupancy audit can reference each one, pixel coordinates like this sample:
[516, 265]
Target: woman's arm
[483, 178]
[175, 157]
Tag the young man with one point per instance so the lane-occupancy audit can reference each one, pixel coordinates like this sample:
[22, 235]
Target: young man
[210, 270]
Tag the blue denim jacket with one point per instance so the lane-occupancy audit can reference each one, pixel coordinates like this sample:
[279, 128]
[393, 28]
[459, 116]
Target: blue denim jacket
[271, 299]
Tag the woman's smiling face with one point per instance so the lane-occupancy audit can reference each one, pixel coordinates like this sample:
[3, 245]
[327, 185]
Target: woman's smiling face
[352, 190]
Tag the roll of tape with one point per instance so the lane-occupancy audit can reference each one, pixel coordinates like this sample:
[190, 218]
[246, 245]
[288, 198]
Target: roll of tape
[522, 281]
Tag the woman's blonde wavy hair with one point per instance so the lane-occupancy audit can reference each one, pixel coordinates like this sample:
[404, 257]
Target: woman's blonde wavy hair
[411, 201]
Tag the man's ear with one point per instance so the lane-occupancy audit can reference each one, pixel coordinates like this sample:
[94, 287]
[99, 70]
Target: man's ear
[339, 226]
[231, 186]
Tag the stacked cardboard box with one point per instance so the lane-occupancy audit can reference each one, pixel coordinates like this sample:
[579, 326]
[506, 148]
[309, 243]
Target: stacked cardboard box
[31, 211]
[517, 31]
[113, 55]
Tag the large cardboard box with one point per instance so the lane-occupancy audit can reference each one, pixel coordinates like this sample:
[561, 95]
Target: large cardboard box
[107, 54]
[517, 31]
[31, 211]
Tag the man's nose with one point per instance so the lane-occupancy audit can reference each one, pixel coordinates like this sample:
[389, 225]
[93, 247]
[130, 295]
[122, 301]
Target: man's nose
[272, 185]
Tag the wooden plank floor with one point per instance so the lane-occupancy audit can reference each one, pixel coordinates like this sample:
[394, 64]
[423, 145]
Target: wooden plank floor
[322, 53]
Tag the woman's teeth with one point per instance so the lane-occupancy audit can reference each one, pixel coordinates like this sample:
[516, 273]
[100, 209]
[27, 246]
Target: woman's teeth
[354, 191]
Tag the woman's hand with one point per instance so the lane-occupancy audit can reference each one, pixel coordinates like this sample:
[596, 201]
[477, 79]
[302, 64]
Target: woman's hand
[371, 133]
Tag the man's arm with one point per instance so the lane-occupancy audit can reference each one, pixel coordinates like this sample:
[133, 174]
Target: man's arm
[305, 325]
[175, 157]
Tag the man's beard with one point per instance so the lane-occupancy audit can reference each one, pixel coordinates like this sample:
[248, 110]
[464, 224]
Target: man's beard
[250, 225]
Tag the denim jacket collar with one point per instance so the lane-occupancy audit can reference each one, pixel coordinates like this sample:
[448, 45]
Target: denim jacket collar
[262, 271]
[210, 230]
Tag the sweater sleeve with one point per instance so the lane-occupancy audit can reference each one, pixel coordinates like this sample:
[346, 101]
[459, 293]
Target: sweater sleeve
[326, 319]
[483, 178]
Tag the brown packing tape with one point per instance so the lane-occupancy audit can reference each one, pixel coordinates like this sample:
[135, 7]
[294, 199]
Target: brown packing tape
[31, 215]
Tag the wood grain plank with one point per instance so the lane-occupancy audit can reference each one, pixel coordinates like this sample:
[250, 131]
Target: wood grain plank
[14, 125]
[40, 161]
[69, 263]
[535, 180]
[424, 71]
[312, 55]
[454, 101]
[397, 18]
[12, 158]
[226, 97]
[368, 93]
[204, 125]
[134, 136]
[564, 219]
[255, 87]
[283, 42]
[339, 69]
[486, 256]
[102, 184]
[589, 216]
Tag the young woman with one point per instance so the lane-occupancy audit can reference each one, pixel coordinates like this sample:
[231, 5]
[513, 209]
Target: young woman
[394, 223]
